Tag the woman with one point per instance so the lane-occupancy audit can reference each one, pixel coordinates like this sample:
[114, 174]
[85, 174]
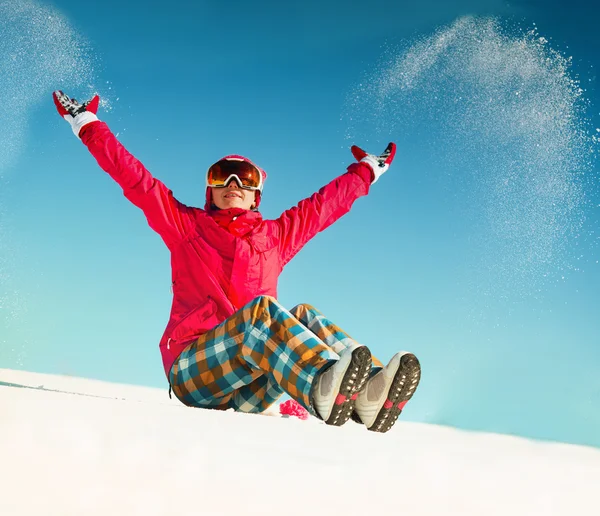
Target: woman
[229, 343]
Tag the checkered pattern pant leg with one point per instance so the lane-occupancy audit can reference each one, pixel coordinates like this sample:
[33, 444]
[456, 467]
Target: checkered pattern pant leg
[332, 335]
[251, 359]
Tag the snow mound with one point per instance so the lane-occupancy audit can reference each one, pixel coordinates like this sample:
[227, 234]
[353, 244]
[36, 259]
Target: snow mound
[72, 446]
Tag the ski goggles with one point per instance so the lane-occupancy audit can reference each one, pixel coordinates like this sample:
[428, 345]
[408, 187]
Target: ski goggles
[246, 174]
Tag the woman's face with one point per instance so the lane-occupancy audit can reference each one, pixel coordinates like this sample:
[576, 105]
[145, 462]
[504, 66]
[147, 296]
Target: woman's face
[232, 196]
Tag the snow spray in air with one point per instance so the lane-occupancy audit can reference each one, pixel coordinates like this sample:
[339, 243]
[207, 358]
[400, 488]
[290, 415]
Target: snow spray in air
[506, 121]
[39, 52]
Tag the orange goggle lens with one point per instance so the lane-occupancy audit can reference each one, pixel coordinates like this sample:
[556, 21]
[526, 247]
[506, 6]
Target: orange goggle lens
[246, 174]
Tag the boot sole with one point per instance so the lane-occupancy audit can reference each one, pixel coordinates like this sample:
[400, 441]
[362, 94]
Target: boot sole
[401, 390]
[353, 381]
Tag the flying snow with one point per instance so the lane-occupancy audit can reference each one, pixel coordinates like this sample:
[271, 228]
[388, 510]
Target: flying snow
[506, 121]
[39, 52]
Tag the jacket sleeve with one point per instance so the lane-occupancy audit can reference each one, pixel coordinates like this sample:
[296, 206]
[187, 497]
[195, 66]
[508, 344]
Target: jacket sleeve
[165, 214]
[314, 214]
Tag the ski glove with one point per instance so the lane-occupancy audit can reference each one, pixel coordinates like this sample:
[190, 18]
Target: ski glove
[75, 113]
[378, 164]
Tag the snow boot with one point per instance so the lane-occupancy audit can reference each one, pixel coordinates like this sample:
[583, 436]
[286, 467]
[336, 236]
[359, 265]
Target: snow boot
[380, 403]
[337, 388]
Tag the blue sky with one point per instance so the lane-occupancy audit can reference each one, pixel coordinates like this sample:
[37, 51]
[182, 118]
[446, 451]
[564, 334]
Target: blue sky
[507, 344]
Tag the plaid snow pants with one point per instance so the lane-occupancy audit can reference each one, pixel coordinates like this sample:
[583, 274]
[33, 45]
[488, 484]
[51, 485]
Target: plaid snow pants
[249, 360]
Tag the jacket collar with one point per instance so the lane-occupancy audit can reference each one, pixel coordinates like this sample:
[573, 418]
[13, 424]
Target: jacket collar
[237, 221]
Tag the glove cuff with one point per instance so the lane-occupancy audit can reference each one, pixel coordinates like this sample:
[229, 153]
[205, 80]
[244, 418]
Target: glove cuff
[375, 166]
[80, 120]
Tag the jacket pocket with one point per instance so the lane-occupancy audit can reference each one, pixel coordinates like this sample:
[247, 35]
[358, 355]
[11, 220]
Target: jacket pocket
[262, 242]
[195, 322]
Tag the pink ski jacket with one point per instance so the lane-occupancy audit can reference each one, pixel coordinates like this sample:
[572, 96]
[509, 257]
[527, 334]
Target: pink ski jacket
[220, 259]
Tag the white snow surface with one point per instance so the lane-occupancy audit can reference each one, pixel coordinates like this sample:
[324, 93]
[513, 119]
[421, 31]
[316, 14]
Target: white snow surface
[97, 448]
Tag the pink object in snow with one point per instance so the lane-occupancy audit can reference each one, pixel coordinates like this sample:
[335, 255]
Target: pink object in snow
[293, 408]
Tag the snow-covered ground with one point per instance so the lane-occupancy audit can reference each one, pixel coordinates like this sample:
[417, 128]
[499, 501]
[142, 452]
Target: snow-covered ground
[71, 446]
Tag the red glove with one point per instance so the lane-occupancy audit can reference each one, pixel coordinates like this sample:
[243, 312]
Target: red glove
[75, 113]
[379, 164]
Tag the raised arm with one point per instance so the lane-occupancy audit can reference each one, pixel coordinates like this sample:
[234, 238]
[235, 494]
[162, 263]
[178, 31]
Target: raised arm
[167, 216]
[314, 214]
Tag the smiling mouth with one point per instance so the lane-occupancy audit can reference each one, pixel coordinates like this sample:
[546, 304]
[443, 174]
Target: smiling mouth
[233, 196]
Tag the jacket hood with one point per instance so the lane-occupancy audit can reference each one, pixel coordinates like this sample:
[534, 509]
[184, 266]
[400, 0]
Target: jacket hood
[208, 206]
